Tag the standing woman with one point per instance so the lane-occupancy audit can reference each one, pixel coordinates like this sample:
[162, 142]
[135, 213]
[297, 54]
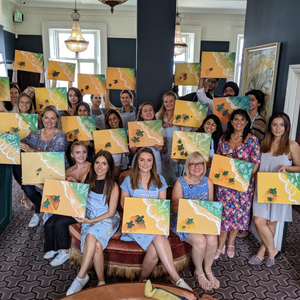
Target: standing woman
[237, 142]
[24, 104]
[258, 123]
[14, 93]
[74, 97]
[279, 154]
[145, 182]
[101, 218]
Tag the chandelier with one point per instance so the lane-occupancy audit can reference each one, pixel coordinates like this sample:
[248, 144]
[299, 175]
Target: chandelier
[76, 42]
[112, 3]
[180, 46]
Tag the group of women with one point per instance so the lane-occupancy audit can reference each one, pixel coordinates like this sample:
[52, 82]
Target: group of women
[247, 138]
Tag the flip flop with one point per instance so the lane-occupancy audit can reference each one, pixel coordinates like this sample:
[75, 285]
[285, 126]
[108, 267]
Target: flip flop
[271, 261]
[242, 233]
[255, 261]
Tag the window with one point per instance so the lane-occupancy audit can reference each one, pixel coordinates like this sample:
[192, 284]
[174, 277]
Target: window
[238, 59]
[2, 66]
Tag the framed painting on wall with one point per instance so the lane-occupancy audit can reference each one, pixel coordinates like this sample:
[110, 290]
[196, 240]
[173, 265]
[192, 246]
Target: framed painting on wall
[260, 72]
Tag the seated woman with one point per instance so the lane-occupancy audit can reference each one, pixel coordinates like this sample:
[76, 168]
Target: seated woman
[101, 218]
[144, 182]
[195, 185]
[57, 236]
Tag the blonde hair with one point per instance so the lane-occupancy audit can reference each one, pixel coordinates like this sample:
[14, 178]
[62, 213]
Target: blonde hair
[190, 159]
[162, 110]
[31, 110]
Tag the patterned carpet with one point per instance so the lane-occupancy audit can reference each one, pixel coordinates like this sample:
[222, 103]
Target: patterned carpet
[24, 274]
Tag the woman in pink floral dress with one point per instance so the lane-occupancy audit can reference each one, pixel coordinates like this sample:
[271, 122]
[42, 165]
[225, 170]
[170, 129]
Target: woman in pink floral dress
[237, 142]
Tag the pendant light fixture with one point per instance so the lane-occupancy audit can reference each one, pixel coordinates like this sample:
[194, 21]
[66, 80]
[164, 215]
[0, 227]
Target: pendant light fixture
[112, 3]
[76, 42]
[180, 46]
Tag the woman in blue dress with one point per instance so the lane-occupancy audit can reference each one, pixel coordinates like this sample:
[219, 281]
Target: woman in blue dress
[144, 182]
[101, 218]
[195, 185]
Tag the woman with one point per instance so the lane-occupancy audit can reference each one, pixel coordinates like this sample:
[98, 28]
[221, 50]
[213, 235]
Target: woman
[24, 104]
[74, 97]
[146, 113]
[82, 109]
[144, 181]
[57, 236]
[101, 218]
[258, 123]
[237, 142]
[14, 93]
[279, 154]
[195, 185]
[127, 111]
[96, 102]
[48, 139]
[113, 120]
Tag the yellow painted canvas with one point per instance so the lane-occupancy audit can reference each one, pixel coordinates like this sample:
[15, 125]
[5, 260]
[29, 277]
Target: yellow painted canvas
[4, 89]
[120, 78]
[64, 198]
[145, 133]
[38, 166]
[185, 143]
[113, 140]
[187, 73]
[278, 188]
[91, 84]
[190, 114]
[197, 216]
[18, 123]
[231, 173]
[78, 127]
[58, 70]
[51, 96]
[224, 106]
[9, 149]
[217, 64]
[146, 216]
[29, 61]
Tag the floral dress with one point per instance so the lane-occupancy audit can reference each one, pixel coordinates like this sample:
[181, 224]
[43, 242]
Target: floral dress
[236, 204]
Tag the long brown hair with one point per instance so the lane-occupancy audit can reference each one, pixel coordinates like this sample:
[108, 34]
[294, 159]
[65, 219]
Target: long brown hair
[109, 180]
[139, 118]
[31, 109]
[162, 110]
[111, 112]
[284, 144]
[134, 175]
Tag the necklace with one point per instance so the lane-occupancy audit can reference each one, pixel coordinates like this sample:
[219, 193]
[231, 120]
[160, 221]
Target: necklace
[234, 139]
[48, 135]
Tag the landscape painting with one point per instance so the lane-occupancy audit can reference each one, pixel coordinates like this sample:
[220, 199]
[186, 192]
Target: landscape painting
[9, 149]
[29, 61]
[51, 96]
[91, 84]
[58, 70]
[120, 78]
[187, 73]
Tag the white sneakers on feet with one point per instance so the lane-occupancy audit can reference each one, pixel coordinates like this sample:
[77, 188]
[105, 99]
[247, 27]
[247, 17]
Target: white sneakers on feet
[181, 283]
[77, 285]
[50, 254]
[46, 216]
[34, 221]
[101, 283]
[60, 258]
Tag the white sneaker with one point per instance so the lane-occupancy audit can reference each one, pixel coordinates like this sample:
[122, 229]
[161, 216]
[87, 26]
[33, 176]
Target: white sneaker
[181, 283]
[50, 254]
[46, 216]
[34, 221]
[77, 285]
[60, 258]
[101, 283]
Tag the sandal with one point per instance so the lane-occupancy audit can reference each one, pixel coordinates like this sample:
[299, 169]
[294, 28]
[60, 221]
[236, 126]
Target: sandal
[271, 261]
[219, 252]
[230, 253]
[25, 203]
[202, 276]
[215, 282]
[243, 233]
[255, 261]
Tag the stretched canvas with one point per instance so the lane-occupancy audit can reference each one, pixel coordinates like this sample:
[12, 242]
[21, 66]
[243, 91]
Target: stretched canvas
[64, 198]
[146, 216]
[58, 70]
[9, 149]
[21, 124]
[188, 113]
[278, 188]
[120, 78]
[113, 140]
[230, 172]
[187, 73]
[38, 166]
[51, 96]
[4, 89]
[217, 64]
[224, 106]
[197, 216]
[145, 133]
[185, 143]
[91, 84]
[29, 61]
[260, 72]
[78, 127]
